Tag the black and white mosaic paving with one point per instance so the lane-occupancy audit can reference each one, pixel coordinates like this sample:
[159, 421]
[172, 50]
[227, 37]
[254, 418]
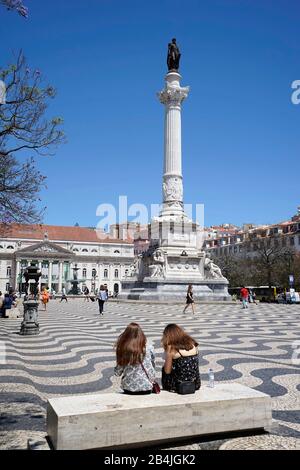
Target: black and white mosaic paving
[73, 354]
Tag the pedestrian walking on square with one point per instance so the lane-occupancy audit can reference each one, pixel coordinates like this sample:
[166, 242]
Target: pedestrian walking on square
[189, 299]
[2, 311]
[102, 297]
[86, 293]
[135, 361]
[45, 298]
[244, 296]
[6, 305]
[63, 295]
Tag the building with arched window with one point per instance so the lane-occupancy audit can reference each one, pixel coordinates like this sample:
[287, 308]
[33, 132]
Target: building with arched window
[57, 250]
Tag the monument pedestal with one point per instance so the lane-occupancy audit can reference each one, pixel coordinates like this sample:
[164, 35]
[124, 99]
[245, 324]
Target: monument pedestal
[30, 325]
[172, 290]
[172, 262]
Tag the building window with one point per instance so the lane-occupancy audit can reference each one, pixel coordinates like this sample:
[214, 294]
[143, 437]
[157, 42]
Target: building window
[292, 241]
[116, 289]
[8, 271]
[75, 249]
[127, 271]
[105, 273]
[10, 247]
[84, 272]
[117, 252]
[1, 247]
[94, 273]
[94, 251]
[116, 273]
[85, 250]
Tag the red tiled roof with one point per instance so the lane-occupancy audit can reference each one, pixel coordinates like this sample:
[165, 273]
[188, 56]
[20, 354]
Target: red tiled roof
[56, 233]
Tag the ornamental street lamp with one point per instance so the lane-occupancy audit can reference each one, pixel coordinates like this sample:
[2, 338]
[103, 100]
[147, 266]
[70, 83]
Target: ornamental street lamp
[30, 325]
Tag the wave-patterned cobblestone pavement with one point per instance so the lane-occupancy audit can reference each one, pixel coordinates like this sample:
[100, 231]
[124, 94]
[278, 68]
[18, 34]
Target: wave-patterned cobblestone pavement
[73, 354]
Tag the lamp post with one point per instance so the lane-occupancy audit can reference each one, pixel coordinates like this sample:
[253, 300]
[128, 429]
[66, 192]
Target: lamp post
[30, 325]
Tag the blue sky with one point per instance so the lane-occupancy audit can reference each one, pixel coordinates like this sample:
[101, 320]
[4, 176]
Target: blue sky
[107, 59]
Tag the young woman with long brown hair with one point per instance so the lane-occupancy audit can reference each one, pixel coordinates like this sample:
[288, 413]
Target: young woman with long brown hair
[189, 299]
[181, 359]
[135, 361]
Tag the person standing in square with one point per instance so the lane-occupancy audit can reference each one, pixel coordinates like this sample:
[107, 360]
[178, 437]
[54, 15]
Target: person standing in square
[244, 296]
[102, 297]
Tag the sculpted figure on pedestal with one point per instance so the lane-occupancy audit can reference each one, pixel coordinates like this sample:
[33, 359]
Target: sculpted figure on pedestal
[212, 270]
[135, 267]
[173, 56]
[157, 268]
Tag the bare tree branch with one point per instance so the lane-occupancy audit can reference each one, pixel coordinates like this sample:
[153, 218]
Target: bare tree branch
[24, 126]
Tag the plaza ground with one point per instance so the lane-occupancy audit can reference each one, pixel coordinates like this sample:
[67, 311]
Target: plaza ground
[73, 354]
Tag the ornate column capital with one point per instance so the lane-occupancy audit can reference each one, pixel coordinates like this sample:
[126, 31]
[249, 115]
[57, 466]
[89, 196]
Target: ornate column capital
[173, 95]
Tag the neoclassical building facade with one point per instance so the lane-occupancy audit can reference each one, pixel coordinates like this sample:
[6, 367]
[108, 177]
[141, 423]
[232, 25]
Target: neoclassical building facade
[57, 250]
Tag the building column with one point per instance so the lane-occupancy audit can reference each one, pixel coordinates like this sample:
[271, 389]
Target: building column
[17, 275]
[60, 275]
[100, 274]
[40, 280]
[50, 275]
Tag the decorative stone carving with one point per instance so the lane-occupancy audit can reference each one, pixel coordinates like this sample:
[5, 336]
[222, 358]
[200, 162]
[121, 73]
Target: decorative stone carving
[156, 269]
[30, 323]
[46, 249]
[211, 269]
[135, 268]
[172, 188]
[173, 95]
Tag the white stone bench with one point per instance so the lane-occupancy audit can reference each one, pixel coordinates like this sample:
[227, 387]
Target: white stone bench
[112, 420]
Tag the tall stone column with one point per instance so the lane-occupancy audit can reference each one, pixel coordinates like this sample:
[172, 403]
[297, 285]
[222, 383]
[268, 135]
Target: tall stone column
[60, 275]
[40, 280]
[50, 275]
[171, 97]
[17, 275]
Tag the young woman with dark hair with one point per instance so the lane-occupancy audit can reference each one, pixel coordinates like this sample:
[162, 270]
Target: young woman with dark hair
[181, 359]
[135, 361]
[189, 299]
